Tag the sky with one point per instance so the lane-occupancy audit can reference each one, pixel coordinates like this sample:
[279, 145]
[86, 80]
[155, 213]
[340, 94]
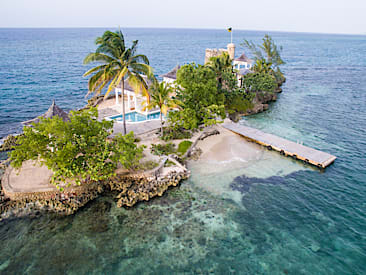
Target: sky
[324, 16]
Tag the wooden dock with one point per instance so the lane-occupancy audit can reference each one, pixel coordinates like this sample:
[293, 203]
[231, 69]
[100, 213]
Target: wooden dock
[285, 147]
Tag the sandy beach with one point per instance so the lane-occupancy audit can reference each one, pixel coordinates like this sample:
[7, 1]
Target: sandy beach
[228, 155]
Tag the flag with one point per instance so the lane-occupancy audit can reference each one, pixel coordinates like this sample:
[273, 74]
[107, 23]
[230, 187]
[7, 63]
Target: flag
[229, 29]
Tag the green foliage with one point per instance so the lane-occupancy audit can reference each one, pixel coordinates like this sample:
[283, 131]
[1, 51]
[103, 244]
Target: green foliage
[200, 99]
[239, 101]
[268, 59]
[255, 82]
[162, 149]
[147, 165]
[176, 133]
[230, 81]
[117, 63]
[160, 96]
[183, 119]
[9, 143]
[268, 51]
[77, 149]
[262, 66]
[220, 65]
[126, 151]
[183, 147]
[169, 163]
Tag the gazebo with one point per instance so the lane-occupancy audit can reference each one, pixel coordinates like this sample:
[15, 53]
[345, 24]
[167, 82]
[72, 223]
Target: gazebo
[243, 62]
[134, 101]
[54, 110]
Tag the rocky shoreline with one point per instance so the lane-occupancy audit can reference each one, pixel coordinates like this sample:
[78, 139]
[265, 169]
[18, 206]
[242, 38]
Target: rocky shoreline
[129, 189]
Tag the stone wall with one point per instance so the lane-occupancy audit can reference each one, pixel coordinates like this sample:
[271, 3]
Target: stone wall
[213, 53]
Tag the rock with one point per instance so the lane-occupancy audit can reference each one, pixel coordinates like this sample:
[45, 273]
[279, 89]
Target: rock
[314, 247]
[259, 104]
[208, 133]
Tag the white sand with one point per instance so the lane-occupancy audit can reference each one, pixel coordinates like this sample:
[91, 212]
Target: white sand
[229, 155]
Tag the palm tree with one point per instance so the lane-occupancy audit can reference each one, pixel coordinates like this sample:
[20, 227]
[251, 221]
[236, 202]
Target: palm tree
[160, 96]
[219, 65]
[262, 66]
[268, 49]
[117, 64]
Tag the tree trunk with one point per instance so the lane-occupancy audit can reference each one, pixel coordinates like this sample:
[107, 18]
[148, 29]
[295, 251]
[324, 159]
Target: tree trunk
[123, 105]
[161, 123]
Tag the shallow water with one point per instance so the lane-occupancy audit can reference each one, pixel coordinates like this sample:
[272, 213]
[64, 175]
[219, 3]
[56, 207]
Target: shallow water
[269, 215]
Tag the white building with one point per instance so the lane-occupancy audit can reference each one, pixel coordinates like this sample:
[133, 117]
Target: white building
[243, 62]
[134, 100]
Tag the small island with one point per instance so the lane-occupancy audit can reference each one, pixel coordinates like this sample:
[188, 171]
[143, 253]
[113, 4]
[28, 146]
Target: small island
[134, 144]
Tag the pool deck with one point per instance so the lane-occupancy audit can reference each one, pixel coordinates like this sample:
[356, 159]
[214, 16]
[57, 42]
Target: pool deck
[137, 128]
[107, 109]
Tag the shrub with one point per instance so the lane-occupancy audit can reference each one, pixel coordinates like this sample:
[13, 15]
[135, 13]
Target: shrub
[183, 147]
[126, 151]
[148, 165]
[163, 149]
[179, 133]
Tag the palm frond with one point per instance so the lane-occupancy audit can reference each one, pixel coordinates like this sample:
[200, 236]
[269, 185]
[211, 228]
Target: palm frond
[116, 80]
[141, 58]
[98, 57]
[92, 70]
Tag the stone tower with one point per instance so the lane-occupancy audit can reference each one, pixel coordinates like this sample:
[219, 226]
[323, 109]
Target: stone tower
[231, 50]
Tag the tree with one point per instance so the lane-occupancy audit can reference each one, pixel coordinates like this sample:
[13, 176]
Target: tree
[126, 151]
[259, 82]
[238, 101]
[262, 66]
[160, 96]
[198, 93]
[77, 149]
[220, 65]
[267, 51]
[117, 64]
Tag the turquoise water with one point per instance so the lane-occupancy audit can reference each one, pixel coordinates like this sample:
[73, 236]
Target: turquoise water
[265, 215]
[136, 117]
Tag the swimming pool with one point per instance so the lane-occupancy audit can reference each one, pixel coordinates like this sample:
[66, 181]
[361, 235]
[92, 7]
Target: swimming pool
[136, 117]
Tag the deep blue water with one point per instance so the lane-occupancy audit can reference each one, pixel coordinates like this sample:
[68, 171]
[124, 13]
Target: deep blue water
[304, 222]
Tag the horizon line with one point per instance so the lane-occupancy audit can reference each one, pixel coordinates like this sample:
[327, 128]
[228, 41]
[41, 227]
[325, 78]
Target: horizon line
[189, 28]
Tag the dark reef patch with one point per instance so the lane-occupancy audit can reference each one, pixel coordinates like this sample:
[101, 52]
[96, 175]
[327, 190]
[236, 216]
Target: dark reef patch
[243, 183]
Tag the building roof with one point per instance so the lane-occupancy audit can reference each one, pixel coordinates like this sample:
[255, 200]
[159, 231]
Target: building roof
[54, 110]
[243, 58]
[172, 74]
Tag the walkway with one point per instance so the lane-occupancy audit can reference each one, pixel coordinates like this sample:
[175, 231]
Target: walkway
[285, 147]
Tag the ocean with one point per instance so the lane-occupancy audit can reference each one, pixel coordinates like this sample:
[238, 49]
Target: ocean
[271, 215]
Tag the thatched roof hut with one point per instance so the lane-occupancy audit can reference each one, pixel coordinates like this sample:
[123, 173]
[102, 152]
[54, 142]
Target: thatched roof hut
[54, 110]
[172, 74]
